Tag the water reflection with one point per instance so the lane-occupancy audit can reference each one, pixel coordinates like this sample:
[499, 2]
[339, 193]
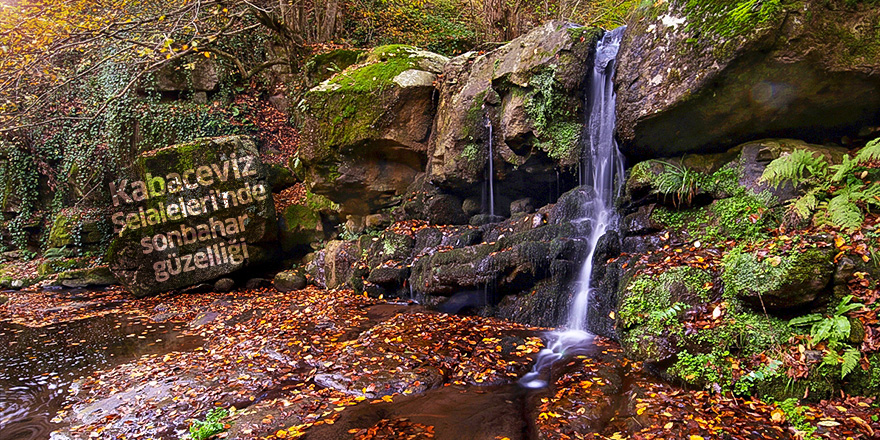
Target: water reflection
[37, 365]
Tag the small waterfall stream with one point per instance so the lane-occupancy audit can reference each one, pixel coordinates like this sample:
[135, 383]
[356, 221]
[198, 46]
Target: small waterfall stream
[491, 173]
[601, 170]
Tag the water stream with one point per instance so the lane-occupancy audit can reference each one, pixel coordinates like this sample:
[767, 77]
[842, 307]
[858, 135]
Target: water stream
[38, 364]
[491, 173]
[601, 171]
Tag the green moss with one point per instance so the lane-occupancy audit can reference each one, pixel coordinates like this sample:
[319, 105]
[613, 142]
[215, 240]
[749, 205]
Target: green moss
[654, 302]
[384, 63]
[741, 215]
[746, 275]
[473, 153]
[350, 105]
[731, 18]
[564, 143]
[584, 32]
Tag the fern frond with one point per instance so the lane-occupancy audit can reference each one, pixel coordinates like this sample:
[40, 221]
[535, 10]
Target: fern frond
[845, 306]
[871, 152]
[805, 320]
[795, 166]
[831, 358]
[822, 330]
[840, 328]
[851, 357]
[843, 169]
[843, 213]
[867, 193]
[803, 206]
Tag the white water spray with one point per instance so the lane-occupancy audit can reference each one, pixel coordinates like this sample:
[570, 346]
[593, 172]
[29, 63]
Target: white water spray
[602, 169]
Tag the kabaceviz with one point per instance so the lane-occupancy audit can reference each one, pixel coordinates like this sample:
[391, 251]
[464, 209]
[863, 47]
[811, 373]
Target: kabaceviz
[205, 175]
[214, 255]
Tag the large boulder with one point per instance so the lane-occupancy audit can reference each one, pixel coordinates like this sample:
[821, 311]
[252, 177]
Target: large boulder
[189, 213]
[529, 95]
[704, 76]
[365, 130]
[783, 282]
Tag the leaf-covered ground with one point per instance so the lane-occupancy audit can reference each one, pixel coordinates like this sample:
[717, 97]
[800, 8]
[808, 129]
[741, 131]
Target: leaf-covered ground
[332, 365]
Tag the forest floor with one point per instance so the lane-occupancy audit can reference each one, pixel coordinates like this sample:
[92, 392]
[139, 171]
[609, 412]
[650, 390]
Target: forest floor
[323, 364]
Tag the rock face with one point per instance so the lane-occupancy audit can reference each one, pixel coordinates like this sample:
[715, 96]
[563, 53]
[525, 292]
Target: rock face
[703, 76]
[365, 131]
[518, 269]
[190, 213]
[530, 92]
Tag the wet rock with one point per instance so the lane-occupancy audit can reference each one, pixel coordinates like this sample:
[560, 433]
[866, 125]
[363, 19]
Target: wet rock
[240, 229]
[289, 280]
[203, 318]
[516, 90]
[96, 276]
[640, 222]
[699, 77]
[471, 206]
[224, 285]
[485, 219]
[522, 206]
[445, 209]
[382, 383]
[256, 283]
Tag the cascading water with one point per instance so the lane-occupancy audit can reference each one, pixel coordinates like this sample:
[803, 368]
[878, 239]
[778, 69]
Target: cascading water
[491, 173]
[602, 169]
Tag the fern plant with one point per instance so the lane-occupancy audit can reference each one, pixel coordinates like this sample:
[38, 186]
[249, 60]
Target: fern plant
[836, 193]
[678, 182]
[833, 329]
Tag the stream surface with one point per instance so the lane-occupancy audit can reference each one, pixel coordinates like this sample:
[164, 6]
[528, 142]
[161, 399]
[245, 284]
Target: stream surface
[38, 364]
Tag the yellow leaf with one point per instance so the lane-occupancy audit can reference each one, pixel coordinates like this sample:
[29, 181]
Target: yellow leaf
[696, 437]
[387, 398]
[667, 426]
[828, 423]
[839, 241]
[640, 410]
[777, 415]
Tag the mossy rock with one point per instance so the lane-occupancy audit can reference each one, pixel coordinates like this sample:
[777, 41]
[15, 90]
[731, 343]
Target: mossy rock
[74, 227]
[787, 280]
[705, 75]
[50, 267]
[650, 309]
[302, 224]
[365, 130]
[323, 66]
[94, 276]
[221, 185]
[528, 94]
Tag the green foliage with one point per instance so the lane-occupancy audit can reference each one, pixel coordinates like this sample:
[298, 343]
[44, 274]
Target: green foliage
[708, 368]
[725, 19]
[546, 105]
[750, 381]
[678, 182]
[212, 425]
[838, 192]
[835, 329]
[794, 413]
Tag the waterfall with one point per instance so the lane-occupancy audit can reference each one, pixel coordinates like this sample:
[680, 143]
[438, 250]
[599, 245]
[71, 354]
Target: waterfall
[602, 170]
[491, 174]
[602, 167]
